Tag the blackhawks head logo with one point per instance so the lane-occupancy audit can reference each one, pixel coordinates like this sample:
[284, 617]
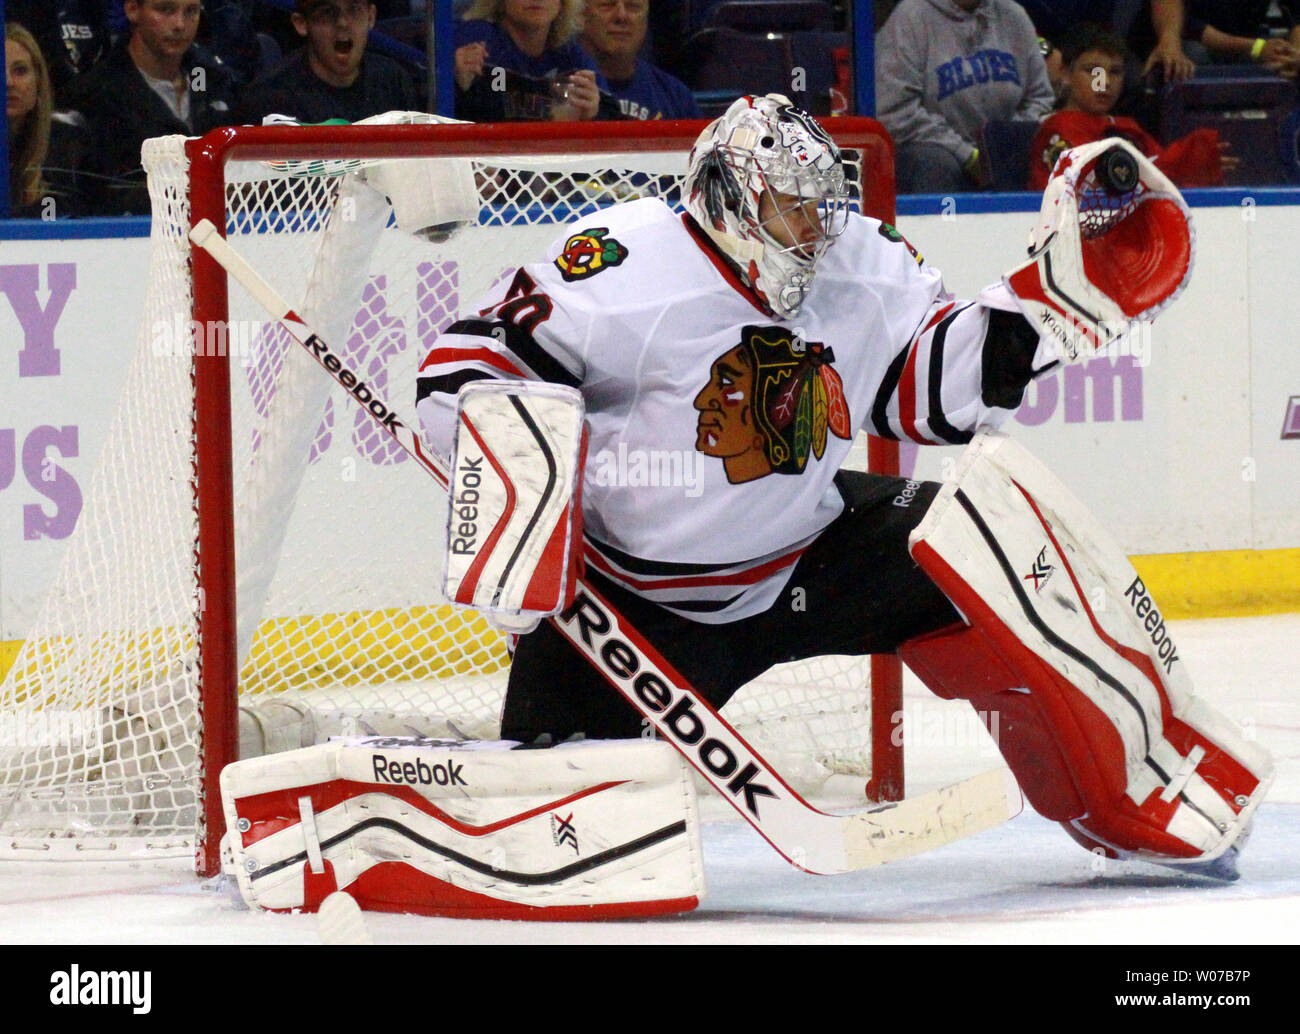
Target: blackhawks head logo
[770, 401]
[587, 253]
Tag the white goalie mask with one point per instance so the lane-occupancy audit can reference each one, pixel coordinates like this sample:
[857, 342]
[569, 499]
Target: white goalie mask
[767, 146]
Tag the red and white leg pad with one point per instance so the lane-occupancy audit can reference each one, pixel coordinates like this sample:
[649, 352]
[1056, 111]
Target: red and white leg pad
[1096, 715]
[594, 830]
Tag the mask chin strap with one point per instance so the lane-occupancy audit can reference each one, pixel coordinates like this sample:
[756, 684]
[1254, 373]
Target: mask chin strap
[734, 247]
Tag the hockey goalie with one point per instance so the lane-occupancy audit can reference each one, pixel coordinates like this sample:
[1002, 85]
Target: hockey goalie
[752, 338]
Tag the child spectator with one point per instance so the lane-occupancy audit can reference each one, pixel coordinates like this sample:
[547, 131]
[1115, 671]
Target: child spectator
[1093, 57]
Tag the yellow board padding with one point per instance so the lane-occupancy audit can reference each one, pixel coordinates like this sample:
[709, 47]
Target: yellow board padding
[94, 667]
[438, 642]
[1223, 583]
[359, 648]
[372, 647]
[8, 651]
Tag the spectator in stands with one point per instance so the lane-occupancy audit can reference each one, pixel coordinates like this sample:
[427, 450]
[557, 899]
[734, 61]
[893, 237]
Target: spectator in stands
[332, 76]
[1094, 61]
[613, 32]
[1051, 52]
[152, 85]
[1053, 19]
[1156, 38]
[44, 151]
[72, 34]
[27, 110]
[1238, 32]
[519, 59]
[943, 69]
[230, 35]
[1179, 33]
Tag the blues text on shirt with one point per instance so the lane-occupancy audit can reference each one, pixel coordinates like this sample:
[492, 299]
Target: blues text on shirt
[983, 66]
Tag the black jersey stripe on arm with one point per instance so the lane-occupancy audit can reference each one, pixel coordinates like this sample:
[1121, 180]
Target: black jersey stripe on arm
[888, 388]
[935, 418]
[522, 344]
[447, 383]
[1007, 362]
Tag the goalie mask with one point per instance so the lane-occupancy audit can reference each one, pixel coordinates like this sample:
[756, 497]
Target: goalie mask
[764, 146]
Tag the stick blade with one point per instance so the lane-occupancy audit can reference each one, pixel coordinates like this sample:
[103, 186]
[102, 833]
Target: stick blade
[340, 921]
[920, 824]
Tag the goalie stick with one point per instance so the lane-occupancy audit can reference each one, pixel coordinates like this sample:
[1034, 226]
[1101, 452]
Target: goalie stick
[815, 841]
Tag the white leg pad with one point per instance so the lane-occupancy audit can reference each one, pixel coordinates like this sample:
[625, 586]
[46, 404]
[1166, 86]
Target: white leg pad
[594, 830]
[1156, 771]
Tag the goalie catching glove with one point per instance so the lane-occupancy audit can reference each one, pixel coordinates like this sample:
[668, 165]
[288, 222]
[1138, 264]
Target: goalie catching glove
[1113, 246]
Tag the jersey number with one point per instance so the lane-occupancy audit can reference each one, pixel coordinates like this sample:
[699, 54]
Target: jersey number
[524, 305]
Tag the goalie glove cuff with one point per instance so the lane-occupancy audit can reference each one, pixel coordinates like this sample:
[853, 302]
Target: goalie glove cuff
[1008, 359]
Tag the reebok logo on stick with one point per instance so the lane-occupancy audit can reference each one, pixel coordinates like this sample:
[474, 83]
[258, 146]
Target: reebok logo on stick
[359, 389]
[675, 712]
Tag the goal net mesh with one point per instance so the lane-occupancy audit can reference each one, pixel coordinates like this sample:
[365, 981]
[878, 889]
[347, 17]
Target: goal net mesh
[338, 534]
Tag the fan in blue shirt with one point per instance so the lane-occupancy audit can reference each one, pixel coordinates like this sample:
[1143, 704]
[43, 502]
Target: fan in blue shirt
[613, 33]
[518, 59]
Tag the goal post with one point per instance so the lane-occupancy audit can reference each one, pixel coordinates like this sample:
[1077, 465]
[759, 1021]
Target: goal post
[232, 587]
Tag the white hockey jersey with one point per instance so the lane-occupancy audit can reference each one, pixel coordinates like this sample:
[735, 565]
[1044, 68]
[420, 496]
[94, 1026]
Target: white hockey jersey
[715, 429]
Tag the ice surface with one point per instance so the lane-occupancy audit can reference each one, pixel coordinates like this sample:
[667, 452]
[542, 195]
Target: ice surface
[1024, 883]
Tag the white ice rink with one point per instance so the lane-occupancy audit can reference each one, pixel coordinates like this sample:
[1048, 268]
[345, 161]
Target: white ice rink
[1025, 883]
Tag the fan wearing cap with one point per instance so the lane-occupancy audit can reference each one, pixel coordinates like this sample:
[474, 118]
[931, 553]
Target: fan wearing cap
[333, 76]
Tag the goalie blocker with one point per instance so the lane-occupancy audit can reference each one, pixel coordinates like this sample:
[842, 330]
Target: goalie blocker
[1097, 717]
[488, 830]
[514, 524]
